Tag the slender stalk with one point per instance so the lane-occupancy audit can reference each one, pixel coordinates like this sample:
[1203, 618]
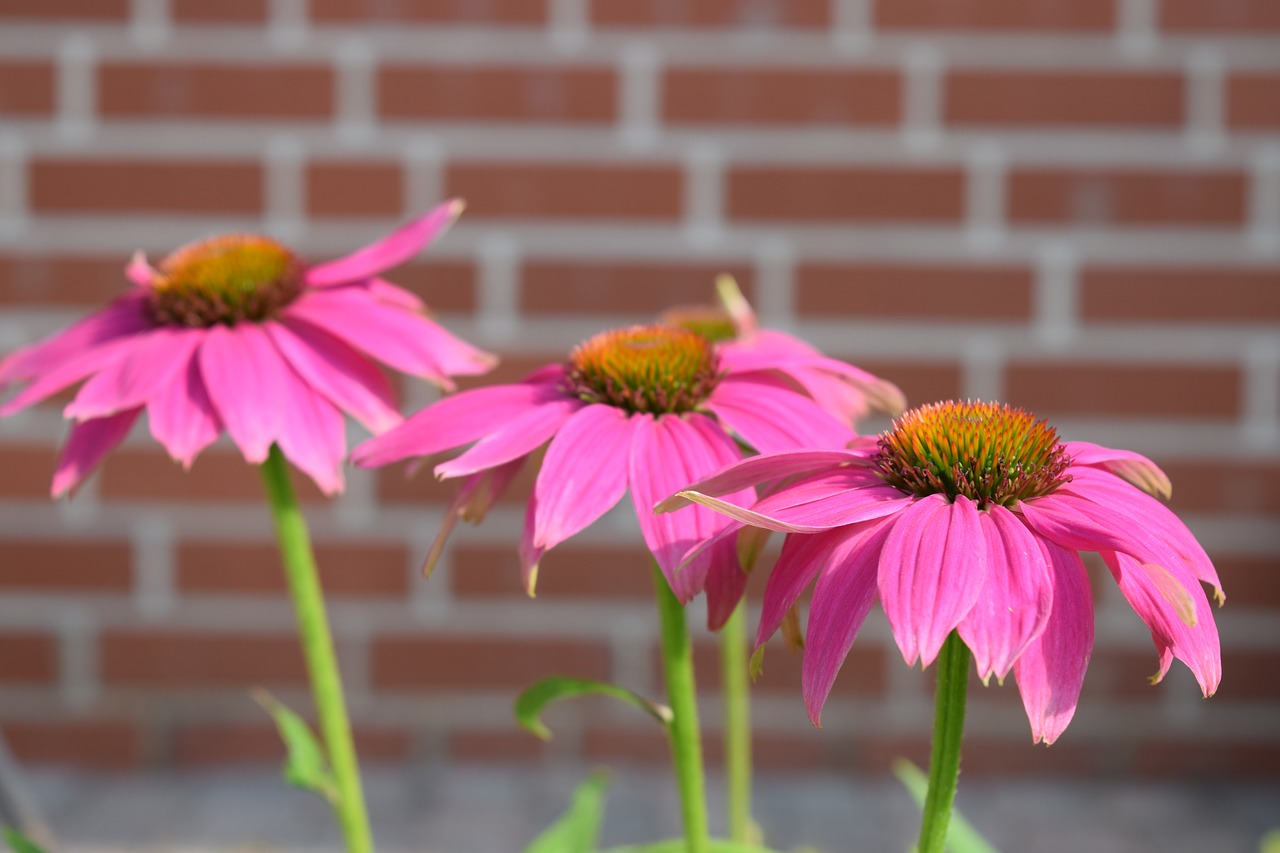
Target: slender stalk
[737, 723]
[317, 648]
[948, 730]
[685, 735]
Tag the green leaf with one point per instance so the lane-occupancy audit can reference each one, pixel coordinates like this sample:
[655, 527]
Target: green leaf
[19, 843]
[579, 829]
[677, 845]
[961, 837]
[305, 766]
[532, 702]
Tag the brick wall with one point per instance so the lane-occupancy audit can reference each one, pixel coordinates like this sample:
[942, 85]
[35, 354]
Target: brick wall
[1071, 205]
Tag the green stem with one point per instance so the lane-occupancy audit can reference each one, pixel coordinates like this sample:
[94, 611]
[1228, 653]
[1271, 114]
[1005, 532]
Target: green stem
[685, 735]
[737, 723]
[317, 648]
[948, 730]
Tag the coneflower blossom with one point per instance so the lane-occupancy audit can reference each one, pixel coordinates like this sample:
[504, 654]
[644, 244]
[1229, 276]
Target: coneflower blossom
[236, 332]
[645, 409]
[969, 517]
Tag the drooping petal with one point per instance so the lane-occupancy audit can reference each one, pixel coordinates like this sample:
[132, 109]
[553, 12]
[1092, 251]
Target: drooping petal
[394, 294]
[143, 372]
[845, 591]
[454, 421]
[1016, 599]
[182, 417]
[755, 470]
[473, 500]
[770, 417]
[583, 474]
[799, 562]
[392, 250]
[850, 394]
[1050, 671]
[313, 435]
[87, 443]
[1170, 600]
[242, 372]
[725, 582]
[932, 569]
[530, 554]
[121, 319]
[521, 435]
[139, 270]
[346, 378]
[666, 452]
[1129, 466]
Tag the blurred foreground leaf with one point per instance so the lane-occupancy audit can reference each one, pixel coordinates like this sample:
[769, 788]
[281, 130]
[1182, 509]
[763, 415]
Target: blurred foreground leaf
[533, 701]
[305, 766]
[677, 845]
[19, 843]
[579, 829]
[961, 837]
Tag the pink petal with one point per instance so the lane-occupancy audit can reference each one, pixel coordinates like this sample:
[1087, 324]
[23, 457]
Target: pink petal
[242, 372]
[583, 474]
[404, 340]
[139, 271]
[799, 562]
[394, 294]
[1016, 598]
[144, 371]
[1172, 603]
[346, 378]
[312, 432]
[530, 554]
[755, 470]
[87, 443]
[725, 583]
[842, 598]
[182, 417]
[473, 500]
[392, 250]
[1050, 671]
[666, 452]
[1132, 467]
[932, 570]
[455, 421]
[770, 417]
[517, 437]
[849, 394]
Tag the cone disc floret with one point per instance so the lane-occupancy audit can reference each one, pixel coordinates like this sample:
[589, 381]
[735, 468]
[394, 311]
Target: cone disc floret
[227, 279]
[654, 369]
[991, 453]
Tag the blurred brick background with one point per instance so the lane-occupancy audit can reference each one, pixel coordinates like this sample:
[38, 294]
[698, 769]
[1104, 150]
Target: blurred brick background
[1072, 205]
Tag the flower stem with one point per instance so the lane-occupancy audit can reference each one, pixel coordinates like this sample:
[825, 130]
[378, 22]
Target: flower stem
[948, 730]
[737, 723]
[685, 735]
[317, 648]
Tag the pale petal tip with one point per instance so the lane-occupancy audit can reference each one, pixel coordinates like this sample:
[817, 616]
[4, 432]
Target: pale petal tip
[456, 207]
[737, 306]
[676, 501]
[531, 581]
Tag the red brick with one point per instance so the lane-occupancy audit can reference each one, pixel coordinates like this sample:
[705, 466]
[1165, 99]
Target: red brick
[864, 194]
[711, 13]
[28, 472]
[916, 292]
[620, 287]
[1129, 390]
[70, 566]
[566, 191]
[61, 279]
[1125, 675]
[1172, 757]
[429, 12]
[446, 286]
[222, 12]
[178, 659]
[100, 744]
[921, 382]
[502, 745]
[131, 186]
[203, 90]
[1246, 488]
[513, 367]
[28, 657]
[1045, 98]
[1249, 675]
[773, 96]
[65, 10]
[363, 570]
[1249, 581]
[1080, 16]
[1177, 294]
[26, 88]
[569, 573]
[135, 474]
[217, 744]
[1239, 17]
[540, 93]
[449, 661]
[1253, 101]
[1105, 197]
[355, 189]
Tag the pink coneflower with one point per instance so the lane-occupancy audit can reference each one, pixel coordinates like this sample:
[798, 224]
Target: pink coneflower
[646, 409]
[237, 332]
[969, 517]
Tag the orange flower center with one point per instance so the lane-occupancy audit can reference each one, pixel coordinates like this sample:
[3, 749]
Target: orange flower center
[656, 369]
[227, 279]
[991, 453]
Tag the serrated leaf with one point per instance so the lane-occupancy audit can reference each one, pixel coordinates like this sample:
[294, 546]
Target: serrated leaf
[578, 830]
[19, 843]
[532, 702]
[961, 836]
[305, 765]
